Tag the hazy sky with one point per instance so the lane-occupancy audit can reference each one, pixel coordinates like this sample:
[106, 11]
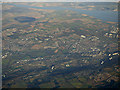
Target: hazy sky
[59, 0]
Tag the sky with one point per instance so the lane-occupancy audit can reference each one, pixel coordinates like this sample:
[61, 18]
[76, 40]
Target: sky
[59, 0]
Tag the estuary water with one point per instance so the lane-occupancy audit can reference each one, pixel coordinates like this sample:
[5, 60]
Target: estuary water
[104, 15]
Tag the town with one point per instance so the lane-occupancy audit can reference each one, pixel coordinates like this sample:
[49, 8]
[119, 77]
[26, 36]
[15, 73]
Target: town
[60, 48]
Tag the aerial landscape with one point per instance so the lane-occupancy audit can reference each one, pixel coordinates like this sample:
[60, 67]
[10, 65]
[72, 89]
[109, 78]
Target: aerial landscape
[60, 45]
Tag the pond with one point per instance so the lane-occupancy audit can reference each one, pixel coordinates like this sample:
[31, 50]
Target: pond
[23, 19]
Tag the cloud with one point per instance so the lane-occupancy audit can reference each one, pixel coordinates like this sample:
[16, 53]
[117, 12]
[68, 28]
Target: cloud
[59, 0]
